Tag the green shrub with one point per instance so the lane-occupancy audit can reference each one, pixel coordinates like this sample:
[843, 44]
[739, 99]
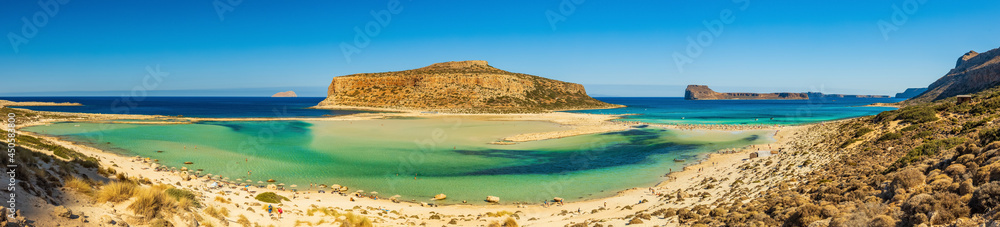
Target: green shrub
[989, 135]
[848, 142]
[916, 115]
[909, 128]
[862, 132]
[970, 125]
[889, 136]
[180, 194]
[270, 197]
[923, 134]
[927, 149]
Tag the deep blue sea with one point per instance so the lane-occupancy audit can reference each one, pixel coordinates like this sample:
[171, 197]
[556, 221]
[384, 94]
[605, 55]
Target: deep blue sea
[650, 110]
[783, 112]
[216, 107]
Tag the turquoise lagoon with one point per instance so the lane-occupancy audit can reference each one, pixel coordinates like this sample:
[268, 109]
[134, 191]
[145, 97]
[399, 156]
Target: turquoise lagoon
[445, 155]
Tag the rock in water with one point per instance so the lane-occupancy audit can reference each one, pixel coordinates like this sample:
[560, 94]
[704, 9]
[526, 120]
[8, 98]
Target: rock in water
[285, 94]
[462, 86]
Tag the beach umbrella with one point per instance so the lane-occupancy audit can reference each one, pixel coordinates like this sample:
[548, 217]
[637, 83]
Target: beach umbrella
[272, 187]
[396, 196]
[360, 191]
[335, 186]
[294, 185]
[322, 186]
[249, 181]
[373, 193]
[239, 179]
[281, 184]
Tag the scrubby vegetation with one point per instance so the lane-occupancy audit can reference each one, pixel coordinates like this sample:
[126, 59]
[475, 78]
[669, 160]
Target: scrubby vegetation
[270, 197]
[925, 164]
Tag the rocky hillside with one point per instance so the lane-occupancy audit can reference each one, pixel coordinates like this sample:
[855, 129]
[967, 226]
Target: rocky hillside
[463, 86]
[928, 164]
[972, 73]
[910, 93]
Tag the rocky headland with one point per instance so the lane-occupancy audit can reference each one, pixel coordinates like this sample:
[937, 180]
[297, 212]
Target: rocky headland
[457, 87]
[972, 73]
[702, 92]
[911, 92]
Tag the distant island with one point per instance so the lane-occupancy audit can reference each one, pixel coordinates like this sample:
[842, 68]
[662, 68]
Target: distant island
[285, 94]
[702, 92]
[457, 87]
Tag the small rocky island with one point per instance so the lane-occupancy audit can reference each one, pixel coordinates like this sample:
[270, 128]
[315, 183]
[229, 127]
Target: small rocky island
[702, 92]
[457, 87]
[288, 94]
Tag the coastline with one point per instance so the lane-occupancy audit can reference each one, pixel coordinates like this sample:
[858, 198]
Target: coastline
[685, 178]
[4, 103]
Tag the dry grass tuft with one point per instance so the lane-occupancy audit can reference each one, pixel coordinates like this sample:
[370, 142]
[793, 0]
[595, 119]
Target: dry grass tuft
[115, 192]
[80, 185]
[217, 212]
[243, 221]
[510, 222]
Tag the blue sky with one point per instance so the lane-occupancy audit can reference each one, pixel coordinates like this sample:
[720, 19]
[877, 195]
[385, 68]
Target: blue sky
[616, 48]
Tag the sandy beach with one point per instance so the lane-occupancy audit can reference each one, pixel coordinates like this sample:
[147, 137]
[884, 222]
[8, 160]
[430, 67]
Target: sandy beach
[678, 189]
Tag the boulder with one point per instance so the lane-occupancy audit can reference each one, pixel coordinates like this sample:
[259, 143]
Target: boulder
[61, 211]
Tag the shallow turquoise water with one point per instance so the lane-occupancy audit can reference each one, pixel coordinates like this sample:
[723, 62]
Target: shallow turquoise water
[450, 156]
[781, 112]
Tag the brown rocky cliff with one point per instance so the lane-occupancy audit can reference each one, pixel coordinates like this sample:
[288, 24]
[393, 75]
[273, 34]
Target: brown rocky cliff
[974, 72]
[464, 86]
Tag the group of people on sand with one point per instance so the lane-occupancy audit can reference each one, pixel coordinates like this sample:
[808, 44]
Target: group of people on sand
[725, 126]
[271, 211]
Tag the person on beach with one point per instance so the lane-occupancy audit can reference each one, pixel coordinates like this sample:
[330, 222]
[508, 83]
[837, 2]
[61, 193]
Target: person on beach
[269, 209]
[280, 211]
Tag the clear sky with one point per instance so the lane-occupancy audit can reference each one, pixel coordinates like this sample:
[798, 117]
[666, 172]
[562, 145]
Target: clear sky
[613, 46]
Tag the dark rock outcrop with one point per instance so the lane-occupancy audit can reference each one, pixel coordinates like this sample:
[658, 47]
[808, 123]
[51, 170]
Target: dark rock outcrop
[910, 93]
[463, 86]
[974, 72]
